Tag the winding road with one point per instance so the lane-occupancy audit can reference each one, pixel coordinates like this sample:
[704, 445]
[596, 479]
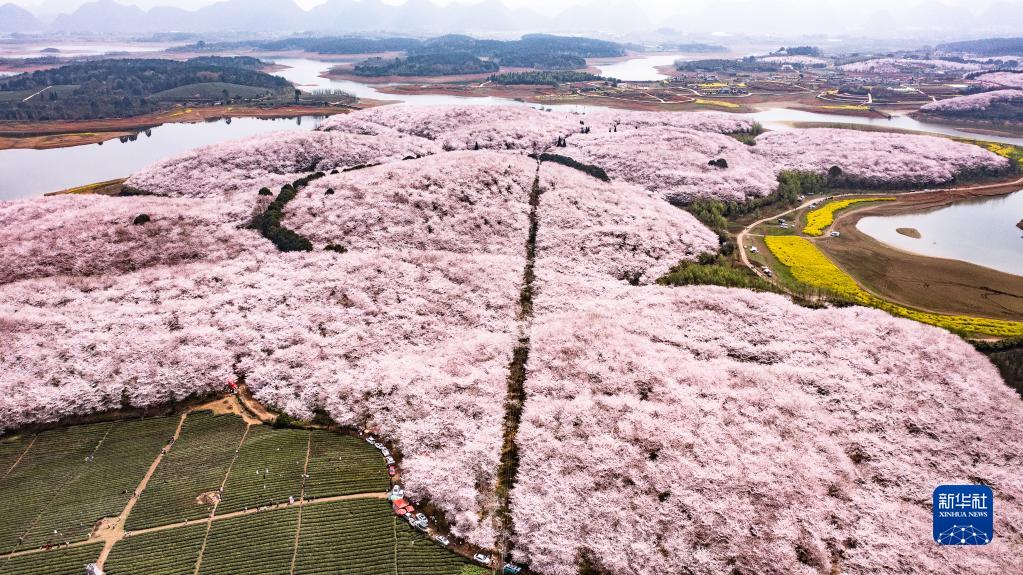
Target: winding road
[740, 238]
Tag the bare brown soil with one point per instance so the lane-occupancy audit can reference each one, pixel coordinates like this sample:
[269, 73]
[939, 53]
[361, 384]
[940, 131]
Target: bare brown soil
[940, 285]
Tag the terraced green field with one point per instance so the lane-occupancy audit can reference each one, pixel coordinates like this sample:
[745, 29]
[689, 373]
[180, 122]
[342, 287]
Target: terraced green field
[55, 459]
[343, 465]
[268, 469]
[67, 479]
[347, 538]
[196, 464]
[65, 561]
[11, 449]
[167, 552]
[230, 547]
[104, 485]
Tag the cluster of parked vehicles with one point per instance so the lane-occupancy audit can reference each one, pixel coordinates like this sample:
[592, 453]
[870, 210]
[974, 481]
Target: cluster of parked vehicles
[419, 520]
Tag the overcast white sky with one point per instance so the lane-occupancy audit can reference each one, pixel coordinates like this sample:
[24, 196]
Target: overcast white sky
[656, 9]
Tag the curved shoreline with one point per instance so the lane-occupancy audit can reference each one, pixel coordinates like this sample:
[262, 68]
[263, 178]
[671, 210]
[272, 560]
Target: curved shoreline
[941, 285]
[62, 134]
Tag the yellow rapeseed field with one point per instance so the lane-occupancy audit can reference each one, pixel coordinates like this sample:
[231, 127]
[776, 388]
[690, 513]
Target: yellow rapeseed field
[811, 267]
[821, 218]
[716, 103]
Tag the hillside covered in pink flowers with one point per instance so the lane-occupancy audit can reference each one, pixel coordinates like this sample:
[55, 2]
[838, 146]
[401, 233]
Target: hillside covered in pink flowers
[1000, 105]
[664, 430]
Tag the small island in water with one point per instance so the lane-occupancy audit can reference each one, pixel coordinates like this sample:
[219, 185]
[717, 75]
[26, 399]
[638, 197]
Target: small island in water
[909, 232]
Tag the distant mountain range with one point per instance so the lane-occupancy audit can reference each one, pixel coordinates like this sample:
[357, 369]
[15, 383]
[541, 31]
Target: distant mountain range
[280, 16]
[595, 17]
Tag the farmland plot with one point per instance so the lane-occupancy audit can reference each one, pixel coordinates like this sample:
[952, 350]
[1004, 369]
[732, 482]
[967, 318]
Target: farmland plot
[54, 460]
[10, 450]
[166, 552]
[344, 465]
[66, 561]
[257, 544]
[418, 555]
[104, 485]
[195, 465]
[347, 538]
[268, 469]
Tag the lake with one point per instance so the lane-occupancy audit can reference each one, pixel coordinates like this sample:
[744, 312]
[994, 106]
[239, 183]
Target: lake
[641, 69]
[25, 173]
[980, 231]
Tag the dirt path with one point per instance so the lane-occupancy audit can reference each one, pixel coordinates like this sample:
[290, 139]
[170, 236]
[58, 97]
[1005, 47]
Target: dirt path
[37, 93]
[111, 532]
[301, 500]
[254, 407]
[213, 512]
[20, 457]
[115, 538]
[233, 405]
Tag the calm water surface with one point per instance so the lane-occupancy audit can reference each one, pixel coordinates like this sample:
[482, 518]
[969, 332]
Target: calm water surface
[980, 231]
[642, 69]
[26, 173]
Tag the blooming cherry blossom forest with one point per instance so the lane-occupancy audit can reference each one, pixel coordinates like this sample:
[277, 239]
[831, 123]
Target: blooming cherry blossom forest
[664, 430]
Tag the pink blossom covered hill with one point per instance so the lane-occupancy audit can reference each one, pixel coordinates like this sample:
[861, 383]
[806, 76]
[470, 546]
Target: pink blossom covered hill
[707, 430]
[604, 119]
[465, 127]
[664, 430]
[908, 66]
[461, 202]
[409, 333]
[83, 235]
[675, 162]
[414, 343]
[517, 127]
[615, 230]
[975, 102]
[235, 171]
[1003, 79]
[877, 158]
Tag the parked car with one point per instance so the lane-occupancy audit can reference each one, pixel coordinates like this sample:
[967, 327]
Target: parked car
[397, 492]
[442, 540]
[835, 234]
[389, 459]
[371, 440]
[482, 558]
[753, 249]
[511, 569]
[391, 471]
[385, 451]
[767, 271]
